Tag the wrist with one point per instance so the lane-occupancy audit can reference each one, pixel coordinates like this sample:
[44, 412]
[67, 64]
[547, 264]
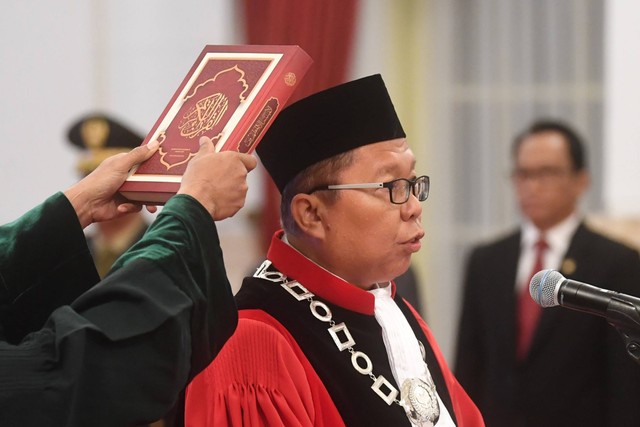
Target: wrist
[80, 205]
[206, 202]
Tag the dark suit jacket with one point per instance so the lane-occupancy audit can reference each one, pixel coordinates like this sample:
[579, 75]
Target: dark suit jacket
[577, 372]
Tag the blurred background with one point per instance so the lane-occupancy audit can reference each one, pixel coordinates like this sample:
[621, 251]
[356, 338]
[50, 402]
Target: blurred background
[465, 77]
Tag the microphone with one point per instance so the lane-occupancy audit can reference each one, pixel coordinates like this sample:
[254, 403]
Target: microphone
[549, 288]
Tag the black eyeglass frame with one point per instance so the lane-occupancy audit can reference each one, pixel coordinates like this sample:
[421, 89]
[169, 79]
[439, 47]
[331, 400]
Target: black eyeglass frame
[410, 187]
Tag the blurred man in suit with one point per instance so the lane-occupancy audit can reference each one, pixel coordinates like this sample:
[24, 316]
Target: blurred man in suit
[100, 136]
[525, 366]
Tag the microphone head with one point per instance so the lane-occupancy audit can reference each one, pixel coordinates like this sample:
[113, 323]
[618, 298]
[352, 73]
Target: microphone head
[543, 287]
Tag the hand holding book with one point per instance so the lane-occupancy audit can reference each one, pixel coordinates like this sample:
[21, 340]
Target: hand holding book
[231, 94]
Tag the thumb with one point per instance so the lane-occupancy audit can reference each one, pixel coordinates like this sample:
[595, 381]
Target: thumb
[206, 145]
[249, 161]
[142, 153]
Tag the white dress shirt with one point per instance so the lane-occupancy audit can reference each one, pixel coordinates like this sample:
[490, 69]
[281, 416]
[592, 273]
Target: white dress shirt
[557, 238]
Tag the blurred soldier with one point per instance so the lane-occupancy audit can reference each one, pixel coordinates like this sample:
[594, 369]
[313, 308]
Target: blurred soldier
[100, 136]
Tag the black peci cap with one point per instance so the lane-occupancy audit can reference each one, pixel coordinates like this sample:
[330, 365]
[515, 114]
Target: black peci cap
[326, 124]
[100, 136]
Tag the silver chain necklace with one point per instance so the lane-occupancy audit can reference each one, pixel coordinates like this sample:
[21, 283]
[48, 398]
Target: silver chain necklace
[418, 398]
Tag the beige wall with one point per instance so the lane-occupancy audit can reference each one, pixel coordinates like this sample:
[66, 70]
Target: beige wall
[625, 229]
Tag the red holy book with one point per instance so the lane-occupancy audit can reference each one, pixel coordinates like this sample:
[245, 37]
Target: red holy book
[232, 94]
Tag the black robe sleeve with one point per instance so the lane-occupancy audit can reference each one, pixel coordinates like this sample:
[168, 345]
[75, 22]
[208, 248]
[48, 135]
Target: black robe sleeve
[120, 354]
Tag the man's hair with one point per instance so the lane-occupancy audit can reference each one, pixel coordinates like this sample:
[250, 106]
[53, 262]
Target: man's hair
[325, 172]
[577, 151]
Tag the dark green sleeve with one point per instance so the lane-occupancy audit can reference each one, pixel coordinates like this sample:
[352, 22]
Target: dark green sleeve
[184, 243]
[121, 353]
[44, 263]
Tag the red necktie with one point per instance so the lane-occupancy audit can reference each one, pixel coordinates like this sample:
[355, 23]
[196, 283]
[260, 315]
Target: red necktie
[528, 310]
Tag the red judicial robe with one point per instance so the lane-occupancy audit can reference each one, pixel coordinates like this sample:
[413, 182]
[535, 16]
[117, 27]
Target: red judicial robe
[282, 368]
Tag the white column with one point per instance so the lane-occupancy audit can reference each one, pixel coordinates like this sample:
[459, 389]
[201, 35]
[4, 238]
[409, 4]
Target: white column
[621, 113]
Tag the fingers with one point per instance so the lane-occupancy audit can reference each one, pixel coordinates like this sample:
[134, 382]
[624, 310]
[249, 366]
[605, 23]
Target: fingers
[126, 208]
[140, 154]
[249, 161]
[144, 152]
[206, 145]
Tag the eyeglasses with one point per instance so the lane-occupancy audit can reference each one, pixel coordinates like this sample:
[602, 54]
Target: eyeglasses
[545, 175]
[399, 189]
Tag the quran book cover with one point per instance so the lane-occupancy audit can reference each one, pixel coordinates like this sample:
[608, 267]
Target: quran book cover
[231, 94]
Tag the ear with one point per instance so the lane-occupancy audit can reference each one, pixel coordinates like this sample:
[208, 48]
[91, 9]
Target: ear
[307, 211]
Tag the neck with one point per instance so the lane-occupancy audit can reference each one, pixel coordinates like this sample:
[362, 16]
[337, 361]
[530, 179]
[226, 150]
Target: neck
[313, 250]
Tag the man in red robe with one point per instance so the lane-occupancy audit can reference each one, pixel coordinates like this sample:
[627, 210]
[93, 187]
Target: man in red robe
[323, 337]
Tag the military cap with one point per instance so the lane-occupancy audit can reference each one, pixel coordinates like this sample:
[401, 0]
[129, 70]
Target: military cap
[100, 136]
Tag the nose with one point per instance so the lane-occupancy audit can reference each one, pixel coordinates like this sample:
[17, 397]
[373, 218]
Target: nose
[412, 209]
[530, 185]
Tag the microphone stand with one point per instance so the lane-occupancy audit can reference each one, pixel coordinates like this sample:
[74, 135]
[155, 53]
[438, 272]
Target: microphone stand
[624, 316]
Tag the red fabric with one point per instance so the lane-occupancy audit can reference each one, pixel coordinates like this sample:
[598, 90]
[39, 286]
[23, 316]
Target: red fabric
[325, 30]
[528, 311]
[262, 377]
[273, 384]
[322, 283]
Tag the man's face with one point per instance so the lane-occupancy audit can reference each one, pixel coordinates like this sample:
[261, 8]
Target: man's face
[368, 239]
[547, 186]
